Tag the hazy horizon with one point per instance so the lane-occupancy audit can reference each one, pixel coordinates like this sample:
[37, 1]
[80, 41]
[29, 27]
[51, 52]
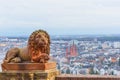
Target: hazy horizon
[63, 17]
[75, 35]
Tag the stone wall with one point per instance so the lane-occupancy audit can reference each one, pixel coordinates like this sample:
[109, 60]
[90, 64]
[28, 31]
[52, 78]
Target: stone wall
[50, 75]
[28, 75]
[86, 77]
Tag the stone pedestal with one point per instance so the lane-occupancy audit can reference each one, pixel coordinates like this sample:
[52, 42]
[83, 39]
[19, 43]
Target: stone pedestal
[29, 71]
[29, 75]
[27, 66]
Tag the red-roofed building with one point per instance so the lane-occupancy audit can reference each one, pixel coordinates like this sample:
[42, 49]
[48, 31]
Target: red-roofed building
[71, 51]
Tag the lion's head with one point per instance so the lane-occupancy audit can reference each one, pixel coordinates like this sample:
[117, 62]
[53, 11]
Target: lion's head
[39, 45]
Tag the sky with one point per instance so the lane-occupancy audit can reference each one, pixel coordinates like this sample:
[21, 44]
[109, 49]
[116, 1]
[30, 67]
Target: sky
[59, 17]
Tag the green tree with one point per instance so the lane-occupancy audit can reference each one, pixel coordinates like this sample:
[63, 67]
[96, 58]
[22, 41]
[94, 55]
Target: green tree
[119, 62]
[92, 71]
[112, 73]
[58, 66]
[68, 71]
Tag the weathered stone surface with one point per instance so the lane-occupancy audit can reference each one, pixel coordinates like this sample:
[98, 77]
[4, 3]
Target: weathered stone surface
[86, 77]
[29, 75]
[27, 66]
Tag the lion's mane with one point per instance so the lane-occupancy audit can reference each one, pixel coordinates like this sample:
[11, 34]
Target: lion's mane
[38, 44]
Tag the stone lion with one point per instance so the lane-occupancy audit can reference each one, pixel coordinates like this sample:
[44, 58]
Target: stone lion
[37, 50]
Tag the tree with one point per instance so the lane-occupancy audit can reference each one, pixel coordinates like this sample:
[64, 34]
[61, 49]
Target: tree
[62, 71]
[58, 66]
[119, 62]
[112, 73]
[68, 71]
[96, 72]
[91, 71]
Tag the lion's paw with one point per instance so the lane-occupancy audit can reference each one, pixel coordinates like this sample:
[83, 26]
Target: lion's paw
[16, 60]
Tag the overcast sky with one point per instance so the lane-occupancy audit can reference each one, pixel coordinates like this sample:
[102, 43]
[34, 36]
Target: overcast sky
[59, 17]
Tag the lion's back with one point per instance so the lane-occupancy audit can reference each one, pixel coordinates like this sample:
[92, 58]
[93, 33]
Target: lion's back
[24, 54]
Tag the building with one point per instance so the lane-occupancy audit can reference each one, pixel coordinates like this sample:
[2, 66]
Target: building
[72, 50]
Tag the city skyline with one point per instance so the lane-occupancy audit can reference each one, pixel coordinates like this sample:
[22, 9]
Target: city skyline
[64, 17]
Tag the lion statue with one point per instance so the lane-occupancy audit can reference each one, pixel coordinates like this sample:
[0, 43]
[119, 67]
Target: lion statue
[37, 50]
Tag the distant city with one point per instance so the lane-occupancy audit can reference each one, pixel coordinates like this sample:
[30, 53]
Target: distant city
[78, 54]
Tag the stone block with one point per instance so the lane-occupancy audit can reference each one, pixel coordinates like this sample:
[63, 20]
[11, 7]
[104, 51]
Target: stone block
[29, 75]
[27, 66]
